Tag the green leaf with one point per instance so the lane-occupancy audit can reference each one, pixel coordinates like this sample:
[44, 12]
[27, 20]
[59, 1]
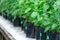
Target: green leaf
[47, 28]
[53, 26]
[34, 14]
[27, 10]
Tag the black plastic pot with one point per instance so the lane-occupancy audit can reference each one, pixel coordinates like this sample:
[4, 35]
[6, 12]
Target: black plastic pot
[21, 22]
[0, 13]
[39, 33]
[9, 17]
[5, 14]
[57, 36]
[50, 36]
[15, 21]
[29, 30]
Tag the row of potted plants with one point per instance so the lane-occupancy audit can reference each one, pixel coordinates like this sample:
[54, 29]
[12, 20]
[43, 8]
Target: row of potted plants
[39, 19]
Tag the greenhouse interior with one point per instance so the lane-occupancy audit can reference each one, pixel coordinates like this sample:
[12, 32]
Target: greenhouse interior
[29, 19]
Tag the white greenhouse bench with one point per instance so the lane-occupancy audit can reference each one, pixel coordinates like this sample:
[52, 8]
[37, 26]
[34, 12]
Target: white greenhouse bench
[10, 32]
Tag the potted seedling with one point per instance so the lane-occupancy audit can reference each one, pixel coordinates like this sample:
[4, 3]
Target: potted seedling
[22, 18]
[50, 30]
[9, 9]
[37, 18]
[53, 19]
[57, 16]
[21, 14]
[28, 28]
[4, 5]
[15, 19]
[28, 25]
[14, 13]
[48, 23]
[39, 29]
